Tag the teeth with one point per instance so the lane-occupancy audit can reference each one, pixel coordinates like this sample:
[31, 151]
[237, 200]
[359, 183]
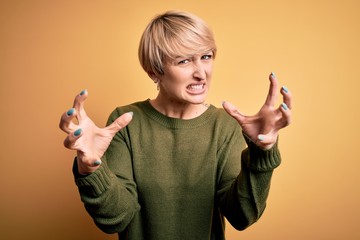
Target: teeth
[196, 87]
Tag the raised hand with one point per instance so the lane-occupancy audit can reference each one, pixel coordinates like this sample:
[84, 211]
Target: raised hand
[263, 127]
[85, 137]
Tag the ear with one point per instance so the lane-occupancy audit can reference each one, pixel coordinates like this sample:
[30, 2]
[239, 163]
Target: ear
[153, 76]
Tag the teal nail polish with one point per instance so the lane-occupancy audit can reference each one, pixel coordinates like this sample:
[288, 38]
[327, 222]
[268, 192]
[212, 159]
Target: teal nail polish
[132, 113]
[77, 132]
[285, 89]
[284, 106]
[97, 163]
[82, 92]
[70, 112]
[273, 74]
[261, 137]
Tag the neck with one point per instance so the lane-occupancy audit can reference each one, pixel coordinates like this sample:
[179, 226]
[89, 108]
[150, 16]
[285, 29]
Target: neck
[179, 110]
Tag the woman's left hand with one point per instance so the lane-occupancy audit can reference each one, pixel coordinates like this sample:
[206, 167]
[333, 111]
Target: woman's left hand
[263, 127]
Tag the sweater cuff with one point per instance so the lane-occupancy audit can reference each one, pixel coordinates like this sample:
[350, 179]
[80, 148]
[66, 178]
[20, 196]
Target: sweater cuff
[94, 184]
[262, 160]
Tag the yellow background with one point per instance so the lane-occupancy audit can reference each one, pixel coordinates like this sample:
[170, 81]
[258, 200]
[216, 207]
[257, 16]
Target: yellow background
[51, 50]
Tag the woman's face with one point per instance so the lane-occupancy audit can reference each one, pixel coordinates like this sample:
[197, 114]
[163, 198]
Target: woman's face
[186, 80]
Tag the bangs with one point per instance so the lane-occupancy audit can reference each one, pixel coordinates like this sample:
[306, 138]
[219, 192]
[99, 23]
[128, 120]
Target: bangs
[185, 44]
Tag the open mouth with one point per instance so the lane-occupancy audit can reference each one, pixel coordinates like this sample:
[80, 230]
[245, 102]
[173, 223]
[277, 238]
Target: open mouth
[196, 87]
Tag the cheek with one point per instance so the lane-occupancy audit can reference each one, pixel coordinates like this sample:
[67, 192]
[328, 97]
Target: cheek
[209, 74]
[174, 82]
[180, 77]
[209, 69]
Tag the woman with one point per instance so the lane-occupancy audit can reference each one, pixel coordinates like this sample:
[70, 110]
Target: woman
[173, 167]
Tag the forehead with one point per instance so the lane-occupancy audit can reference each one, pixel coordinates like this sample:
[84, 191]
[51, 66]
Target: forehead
[191, 53]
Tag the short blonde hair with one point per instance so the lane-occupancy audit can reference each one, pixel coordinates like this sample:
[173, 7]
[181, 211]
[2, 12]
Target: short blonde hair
[173, 34]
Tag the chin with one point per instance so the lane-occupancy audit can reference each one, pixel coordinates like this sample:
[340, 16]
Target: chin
[198, 100]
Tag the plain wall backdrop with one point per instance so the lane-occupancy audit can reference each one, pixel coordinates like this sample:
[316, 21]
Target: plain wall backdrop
[51, 50]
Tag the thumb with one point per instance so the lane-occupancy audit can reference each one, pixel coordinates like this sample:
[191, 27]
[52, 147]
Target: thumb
[267, 141]
[121, 122]
[233, 111]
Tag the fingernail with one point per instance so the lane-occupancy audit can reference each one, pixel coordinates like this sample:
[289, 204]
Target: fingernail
[222, 103]
[82, 92]
[261, 137]
[285, 89]
[97, 163]
[273, 74]
[284, 106]
[77, 132]
[70, 112]
[132, 113]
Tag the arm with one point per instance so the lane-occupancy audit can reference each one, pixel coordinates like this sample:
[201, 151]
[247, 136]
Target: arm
[106, 186]
[111, 202]
[244, 201]
[109, 194]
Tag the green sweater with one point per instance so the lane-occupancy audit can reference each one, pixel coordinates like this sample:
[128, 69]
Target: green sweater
[164, 178]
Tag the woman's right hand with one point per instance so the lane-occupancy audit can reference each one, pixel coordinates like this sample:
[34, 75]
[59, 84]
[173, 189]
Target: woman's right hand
[85, 137]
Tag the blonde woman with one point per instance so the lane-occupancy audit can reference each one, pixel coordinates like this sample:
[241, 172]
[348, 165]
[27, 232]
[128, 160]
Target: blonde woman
[173, 167]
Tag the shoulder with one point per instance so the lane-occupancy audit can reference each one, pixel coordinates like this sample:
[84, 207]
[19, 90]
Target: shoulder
[136, 108]
[224, 124]
[227, 129]
[223, 118]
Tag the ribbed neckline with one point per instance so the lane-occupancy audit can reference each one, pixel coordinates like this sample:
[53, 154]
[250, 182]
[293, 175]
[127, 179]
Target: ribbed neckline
[170, 122]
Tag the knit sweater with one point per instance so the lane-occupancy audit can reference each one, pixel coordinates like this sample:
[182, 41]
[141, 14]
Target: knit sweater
[165, 178]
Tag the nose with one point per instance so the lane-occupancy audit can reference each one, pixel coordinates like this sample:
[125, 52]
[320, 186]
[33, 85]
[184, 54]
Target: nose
[199, 71]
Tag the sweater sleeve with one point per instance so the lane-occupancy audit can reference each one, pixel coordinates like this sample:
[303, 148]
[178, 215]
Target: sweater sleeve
[109, 194]
[242, 196]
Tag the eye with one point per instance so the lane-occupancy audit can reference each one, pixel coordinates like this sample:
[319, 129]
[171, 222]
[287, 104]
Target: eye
[183, 61]
[206, 56]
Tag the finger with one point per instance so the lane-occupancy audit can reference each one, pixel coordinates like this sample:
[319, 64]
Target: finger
[120, 122]
[287, 96]
[286, 115]
[70, 140]
[86, 166]
[272, 95]
[66, 123]
[83, 160]
[233, 111]
[79, 104]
